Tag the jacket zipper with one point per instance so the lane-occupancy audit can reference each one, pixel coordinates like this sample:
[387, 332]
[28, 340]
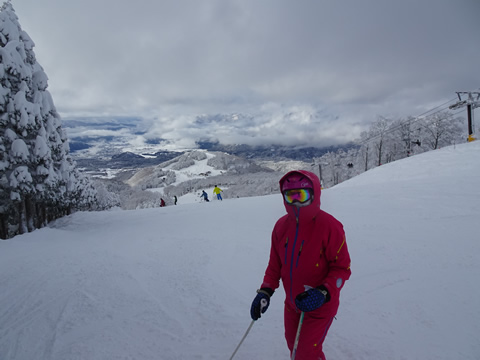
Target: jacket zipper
[292, 258]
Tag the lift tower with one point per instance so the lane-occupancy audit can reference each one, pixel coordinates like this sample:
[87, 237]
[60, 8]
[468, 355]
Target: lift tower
[471, 102]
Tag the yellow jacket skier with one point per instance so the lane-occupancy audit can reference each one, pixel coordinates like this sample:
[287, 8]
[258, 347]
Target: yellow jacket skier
[217, 192]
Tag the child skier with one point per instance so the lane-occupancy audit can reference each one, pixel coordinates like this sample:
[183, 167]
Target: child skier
[309, 254]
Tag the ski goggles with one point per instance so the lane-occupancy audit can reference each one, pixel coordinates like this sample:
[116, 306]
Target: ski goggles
[297, 195]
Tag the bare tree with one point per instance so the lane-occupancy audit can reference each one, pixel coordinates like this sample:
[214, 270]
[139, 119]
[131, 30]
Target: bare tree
[378, 134]
[440, 129]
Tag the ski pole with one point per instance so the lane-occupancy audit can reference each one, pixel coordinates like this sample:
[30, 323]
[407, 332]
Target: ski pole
[300, 323]
[263, 303]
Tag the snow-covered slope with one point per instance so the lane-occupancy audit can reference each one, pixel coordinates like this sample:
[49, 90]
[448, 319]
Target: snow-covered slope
[177, 282]
[186, 175]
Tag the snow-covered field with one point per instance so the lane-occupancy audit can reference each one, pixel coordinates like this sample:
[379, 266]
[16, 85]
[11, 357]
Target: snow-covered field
[176, 283]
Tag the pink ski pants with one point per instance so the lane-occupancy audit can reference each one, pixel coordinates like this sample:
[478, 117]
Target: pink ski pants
[313, 333]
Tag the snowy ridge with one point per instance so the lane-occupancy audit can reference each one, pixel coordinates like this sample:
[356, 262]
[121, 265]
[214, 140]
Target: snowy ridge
[188, 174]
[189, 166]
[198, 168]
[177, 282]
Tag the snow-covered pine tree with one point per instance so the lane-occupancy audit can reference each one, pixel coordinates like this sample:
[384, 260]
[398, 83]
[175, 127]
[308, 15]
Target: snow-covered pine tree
[38, 178]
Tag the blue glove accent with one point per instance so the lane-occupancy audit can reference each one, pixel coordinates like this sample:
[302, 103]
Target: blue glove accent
[310, 300]
[257, 310]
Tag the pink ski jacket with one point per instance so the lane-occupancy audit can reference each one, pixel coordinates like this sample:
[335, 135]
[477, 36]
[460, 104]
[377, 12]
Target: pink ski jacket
[308, 248]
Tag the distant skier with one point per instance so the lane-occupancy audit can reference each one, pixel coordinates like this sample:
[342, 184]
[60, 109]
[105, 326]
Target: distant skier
[217, 191]
[162, 203]
[309, 254]
[175, 200]
[204, 195]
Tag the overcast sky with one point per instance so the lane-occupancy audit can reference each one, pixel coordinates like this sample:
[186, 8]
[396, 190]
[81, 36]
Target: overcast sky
[345, 61]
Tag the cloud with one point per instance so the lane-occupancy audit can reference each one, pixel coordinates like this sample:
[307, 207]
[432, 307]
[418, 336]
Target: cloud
[175, 60]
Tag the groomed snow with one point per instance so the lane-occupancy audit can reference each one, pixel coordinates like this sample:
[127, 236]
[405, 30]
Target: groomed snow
[176, 283]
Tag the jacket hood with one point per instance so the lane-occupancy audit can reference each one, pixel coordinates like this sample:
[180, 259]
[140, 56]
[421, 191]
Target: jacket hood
[308, 211]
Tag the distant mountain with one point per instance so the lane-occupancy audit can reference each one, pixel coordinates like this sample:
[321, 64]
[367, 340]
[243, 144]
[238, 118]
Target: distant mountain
[272, 152]
[100, 143]
[125, 160]
[134, 165]
[198, 170]
[194, 165]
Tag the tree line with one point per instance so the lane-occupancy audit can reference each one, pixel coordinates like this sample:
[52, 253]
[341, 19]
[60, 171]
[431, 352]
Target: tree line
[388, 140]
[39, 181]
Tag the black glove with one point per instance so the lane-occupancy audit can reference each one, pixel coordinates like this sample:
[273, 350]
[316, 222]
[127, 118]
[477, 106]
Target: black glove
[260, 303]
[312, 299]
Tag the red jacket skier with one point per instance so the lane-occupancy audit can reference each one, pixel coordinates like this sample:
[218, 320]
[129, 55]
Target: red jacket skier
[309, 254]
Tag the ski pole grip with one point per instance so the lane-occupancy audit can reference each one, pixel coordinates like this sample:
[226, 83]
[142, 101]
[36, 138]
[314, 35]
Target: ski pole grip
[263, 303]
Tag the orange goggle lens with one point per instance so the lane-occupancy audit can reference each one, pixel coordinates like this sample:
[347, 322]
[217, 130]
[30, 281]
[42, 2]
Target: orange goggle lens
[299, 195]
